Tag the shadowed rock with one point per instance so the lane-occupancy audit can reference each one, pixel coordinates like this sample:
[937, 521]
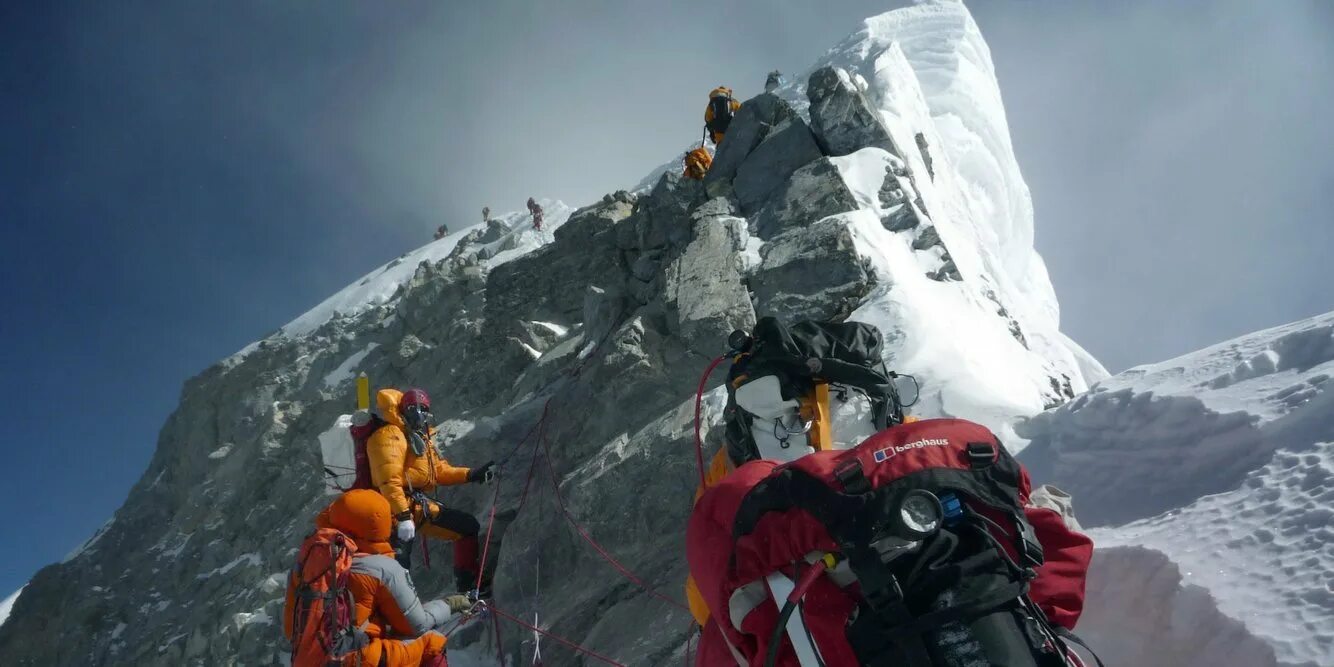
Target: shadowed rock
[788, 147]
[842, 119]
[811, 272]
[815, 191]
[749, 127]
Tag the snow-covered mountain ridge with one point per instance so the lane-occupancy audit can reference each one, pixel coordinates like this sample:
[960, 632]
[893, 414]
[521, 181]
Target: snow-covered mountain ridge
[1220, 465]
[880, 186]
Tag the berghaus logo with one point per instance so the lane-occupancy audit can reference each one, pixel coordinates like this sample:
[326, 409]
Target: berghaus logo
[882, 455]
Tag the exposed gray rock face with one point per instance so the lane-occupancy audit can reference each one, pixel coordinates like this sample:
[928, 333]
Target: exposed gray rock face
[603, 310]
[657, 231]
[548, 285]
[591, 222]
[841, 117]
[705, 296]
[927, 238]
[811, 272]
[813, 192]
[788, 147]
[749, 127]
[925, 149]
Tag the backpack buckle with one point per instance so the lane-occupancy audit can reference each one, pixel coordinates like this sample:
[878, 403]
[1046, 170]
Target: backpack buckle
[849, 473]
[884, 597]
[1028, 539]
[980, 455]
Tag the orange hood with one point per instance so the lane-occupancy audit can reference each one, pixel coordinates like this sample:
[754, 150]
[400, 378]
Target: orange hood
[386, 400]
[363, 515]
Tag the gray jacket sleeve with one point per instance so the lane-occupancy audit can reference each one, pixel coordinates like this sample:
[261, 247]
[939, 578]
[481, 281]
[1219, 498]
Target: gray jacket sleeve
[398, 584]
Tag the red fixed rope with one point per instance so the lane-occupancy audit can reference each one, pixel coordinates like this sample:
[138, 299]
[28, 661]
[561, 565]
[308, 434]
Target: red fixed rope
[588, 652]
[699, 404]
[625, 572]
[541, 446]
[540, 428]
[486, 546]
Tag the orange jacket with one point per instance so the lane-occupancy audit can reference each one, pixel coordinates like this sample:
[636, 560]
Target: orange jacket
[395, 470]
[400, 626]
[720, 467]
[717, 92]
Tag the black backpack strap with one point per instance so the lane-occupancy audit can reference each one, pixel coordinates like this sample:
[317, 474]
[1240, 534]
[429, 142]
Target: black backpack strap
[1069, 635]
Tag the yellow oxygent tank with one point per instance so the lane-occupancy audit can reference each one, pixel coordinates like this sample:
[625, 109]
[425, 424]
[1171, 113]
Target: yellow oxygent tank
[363, 392]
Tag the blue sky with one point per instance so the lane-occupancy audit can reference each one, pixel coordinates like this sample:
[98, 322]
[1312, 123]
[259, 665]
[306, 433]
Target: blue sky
[177, 180]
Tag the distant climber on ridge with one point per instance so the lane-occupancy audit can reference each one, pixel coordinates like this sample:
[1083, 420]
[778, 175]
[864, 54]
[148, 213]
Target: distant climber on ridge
[718, 115]
[486, 214]
[405, 466]
[348, 596]
[441, 232]
[536, 210]
[773, 82]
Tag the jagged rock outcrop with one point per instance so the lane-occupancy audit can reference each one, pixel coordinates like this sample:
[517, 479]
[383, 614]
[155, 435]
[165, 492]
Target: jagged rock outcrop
[812, 272]
[814, 191]
[786, 148]
[757, 117]
[705, 296]
[842, 117]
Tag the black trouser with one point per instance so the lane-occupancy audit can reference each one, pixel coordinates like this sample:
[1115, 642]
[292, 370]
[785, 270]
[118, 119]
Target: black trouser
[461, 528]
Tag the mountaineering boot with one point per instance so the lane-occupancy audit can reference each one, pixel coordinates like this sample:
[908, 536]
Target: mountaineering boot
[466, 555]
[402, 551]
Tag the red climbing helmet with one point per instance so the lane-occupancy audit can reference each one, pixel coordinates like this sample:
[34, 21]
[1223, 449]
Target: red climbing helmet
[414, 397]
[415, 407]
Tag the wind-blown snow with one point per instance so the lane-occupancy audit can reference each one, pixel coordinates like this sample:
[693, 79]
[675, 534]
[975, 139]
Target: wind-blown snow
[251, 559]
[968, 363]
[381, 285]
[557, 329]
[344, 370]
[7, 604]
[929, 71]
[1221, 460]
[1267, 374]
[1264, 551]
[986, 347]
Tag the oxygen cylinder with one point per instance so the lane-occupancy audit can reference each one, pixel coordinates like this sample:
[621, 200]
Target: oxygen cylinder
[363, 392]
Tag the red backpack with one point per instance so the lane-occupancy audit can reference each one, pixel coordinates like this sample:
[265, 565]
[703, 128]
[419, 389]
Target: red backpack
[364, 424]
[321, 611]
[917, 547]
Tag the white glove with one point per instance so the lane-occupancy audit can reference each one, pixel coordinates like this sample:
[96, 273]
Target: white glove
[459, 603]
[406, 530]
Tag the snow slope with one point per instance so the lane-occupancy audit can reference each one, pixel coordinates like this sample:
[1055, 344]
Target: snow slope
[380, 286]
[986, 345]
[1222, 461]
[929, 70]
[7, 605]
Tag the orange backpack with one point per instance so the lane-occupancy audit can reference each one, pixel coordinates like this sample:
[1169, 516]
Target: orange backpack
[321, 609]
[697, 163]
